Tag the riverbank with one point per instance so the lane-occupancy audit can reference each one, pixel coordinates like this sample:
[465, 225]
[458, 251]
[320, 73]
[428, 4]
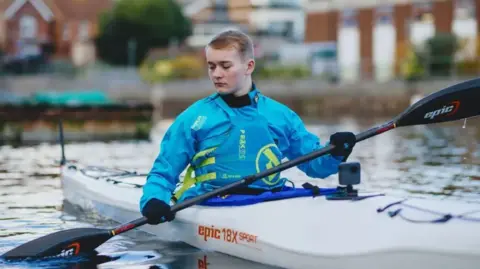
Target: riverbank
[308, 97]
[37, 123]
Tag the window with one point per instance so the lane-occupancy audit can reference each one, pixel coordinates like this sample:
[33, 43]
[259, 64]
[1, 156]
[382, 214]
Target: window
[66, 31]
[221, 3]
[349, 17]
[28, 27]
[280, 28]
[384, 14]
[422, 12]
[284, 3]
[219, 15]
[464, 9]
[83, 32]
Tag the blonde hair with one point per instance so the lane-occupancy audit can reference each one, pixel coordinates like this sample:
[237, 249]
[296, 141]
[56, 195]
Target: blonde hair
[236, 39]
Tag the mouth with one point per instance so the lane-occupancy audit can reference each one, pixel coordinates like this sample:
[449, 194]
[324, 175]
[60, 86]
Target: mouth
[220, 85]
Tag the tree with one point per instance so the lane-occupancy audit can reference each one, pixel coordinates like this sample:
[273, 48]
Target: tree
[441, 50]
[135, 26]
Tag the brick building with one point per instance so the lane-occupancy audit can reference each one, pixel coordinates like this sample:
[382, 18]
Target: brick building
[268, 21]
[371, 39]
[68, 25]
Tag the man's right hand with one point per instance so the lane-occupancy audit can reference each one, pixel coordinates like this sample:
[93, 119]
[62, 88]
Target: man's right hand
[157, 211]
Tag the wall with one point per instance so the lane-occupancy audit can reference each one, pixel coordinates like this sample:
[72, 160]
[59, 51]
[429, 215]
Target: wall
[383, 44]
[123, 84]
[321, 27]
[308, 97]
[349, 58]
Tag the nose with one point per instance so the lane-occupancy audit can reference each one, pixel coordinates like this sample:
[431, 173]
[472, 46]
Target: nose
[217, 73]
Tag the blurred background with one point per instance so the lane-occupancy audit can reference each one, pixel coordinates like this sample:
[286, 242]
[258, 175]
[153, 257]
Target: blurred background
[135, 62]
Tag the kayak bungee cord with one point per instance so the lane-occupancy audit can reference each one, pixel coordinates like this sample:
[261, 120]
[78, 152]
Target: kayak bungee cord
[117, 173]
[444, 217]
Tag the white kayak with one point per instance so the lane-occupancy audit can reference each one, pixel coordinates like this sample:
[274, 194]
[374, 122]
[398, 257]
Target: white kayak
[306, 232]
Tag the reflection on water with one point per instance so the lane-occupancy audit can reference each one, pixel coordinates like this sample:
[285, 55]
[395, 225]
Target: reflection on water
[440, 161]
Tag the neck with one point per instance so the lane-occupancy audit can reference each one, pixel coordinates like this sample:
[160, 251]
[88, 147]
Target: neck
[246, 89]
[236, 100]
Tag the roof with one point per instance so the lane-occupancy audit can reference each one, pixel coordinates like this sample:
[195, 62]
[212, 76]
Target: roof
[39, 5]
[81, 9]
[4, 4]
[59, 9]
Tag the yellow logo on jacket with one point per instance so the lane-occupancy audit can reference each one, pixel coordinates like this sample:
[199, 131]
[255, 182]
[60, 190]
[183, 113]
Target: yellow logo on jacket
[266, 159]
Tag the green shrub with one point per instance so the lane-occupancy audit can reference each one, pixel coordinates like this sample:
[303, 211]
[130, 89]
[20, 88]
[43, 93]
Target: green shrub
[282, 71]
[182, 67]
[441, 50]
[412, 67]
[469, 67]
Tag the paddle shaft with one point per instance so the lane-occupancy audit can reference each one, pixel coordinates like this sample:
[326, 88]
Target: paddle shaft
[250, 179]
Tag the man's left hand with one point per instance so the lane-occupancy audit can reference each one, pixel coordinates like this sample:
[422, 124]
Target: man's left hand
[344, 143]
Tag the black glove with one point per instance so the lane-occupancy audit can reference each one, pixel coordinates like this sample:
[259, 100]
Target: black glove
[344, 143]
[157, 211]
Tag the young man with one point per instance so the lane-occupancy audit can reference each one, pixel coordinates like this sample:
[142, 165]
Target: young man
[230, 134]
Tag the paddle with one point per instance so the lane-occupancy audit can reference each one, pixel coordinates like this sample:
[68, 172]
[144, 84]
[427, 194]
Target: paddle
[452, 103]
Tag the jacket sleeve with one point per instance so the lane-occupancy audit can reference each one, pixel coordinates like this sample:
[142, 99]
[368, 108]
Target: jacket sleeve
[176, 150]
[303, 142]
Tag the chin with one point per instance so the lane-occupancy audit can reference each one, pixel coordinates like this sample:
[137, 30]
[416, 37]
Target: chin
[224, 90]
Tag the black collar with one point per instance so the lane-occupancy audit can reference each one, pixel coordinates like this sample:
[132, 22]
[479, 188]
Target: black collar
[237, 101]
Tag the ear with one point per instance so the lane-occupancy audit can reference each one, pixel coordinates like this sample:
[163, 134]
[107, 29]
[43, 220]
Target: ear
[250, 67]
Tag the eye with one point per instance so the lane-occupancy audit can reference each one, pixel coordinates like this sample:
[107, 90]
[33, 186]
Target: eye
[227, 66]
[211, 67]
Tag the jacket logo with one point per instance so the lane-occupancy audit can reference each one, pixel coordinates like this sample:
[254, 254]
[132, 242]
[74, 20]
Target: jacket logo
[266, 159]
[199, 122]
[242, 145]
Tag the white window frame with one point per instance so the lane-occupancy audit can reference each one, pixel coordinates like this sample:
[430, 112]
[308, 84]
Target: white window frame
[28, 27]
[83, 30]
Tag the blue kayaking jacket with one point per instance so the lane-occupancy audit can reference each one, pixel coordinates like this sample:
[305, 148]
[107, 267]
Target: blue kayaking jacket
[220, 144]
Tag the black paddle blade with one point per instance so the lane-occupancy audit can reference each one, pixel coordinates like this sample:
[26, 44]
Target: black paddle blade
[459, 101]
[73, 242]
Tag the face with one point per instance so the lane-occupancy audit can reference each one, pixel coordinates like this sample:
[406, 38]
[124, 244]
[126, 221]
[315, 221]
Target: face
[227, 70]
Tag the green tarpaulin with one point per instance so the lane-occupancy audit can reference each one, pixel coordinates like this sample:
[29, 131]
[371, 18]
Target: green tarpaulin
[92, 97]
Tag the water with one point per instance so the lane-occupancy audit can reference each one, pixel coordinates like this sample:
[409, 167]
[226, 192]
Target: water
[439, 161]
